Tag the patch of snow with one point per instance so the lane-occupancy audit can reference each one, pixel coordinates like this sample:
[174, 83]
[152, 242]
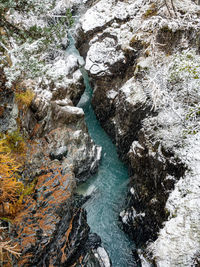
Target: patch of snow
[112, 94]
[77, 75]
[76, 134]
[101, 55]
[73, 110]
[145, 63]
[132, 191]
[63, 67]
[124, 215]
[135, 147]
[133, 92]
[106, 11]
[95, 16]
[64, 102]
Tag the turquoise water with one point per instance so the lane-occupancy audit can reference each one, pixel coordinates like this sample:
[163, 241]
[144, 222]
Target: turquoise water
[108, 187]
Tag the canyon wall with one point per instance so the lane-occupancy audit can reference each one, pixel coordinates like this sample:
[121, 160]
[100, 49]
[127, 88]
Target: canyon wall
[142, 57]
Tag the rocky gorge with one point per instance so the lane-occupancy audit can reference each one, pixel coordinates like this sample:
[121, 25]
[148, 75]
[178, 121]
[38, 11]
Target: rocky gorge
[143, 61]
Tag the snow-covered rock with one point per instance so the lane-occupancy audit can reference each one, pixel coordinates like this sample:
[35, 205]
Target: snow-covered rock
[103, 257]
[103, 57]
[143, 59]
[178, 241]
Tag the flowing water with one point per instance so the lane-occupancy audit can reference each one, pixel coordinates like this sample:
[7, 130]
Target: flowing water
[108, 187]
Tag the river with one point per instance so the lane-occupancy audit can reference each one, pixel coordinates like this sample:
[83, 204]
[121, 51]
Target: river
[108, 187]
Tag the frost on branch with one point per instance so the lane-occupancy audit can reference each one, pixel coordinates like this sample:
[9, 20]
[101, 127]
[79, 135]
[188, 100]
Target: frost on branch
[31, 36]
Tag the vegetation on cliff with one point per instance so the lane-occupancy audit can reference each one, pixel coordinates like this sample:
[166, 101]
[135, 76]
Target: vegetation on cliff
[11, 190]
[32, 35]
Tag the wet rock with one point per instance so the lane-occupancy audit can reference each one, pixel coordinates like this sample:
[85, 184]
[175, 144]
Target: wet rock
[87, 162]
[94, 241]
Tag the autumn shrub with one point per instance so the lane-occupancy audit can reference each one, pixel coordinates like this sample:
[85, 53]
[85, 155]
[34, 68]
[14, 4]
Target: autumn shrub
[15, 142]
[9, 165]
[24, 99]
[10, 191]
[10, 187]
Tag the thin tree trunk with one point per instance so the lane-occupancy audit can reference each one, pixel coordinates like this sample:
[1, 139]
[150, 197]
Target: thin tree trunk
[168, 8]
[174, 7]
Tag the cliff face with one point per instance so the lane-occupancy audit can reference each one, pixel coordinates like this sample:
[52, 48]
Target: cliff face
[143, 59]
[51, 227]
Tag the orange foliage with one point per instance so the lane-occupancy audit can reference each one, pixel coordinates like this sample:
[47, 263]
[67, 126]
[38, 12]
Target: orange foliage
[10, 188]
[8, 164]
[10, 191]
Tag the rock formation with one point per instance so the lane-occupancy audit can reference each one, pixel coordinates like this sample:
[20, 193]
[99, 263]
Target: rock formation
[143, 59]
[51, 227]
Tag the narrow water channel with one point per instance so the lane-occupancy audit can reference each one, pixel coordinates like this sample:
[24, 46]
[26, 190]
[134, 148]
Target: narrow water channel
[107, 188]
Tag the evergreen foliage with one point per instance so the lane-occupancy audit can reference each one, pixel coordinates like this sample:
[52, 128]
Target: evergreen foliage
[31, 35]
